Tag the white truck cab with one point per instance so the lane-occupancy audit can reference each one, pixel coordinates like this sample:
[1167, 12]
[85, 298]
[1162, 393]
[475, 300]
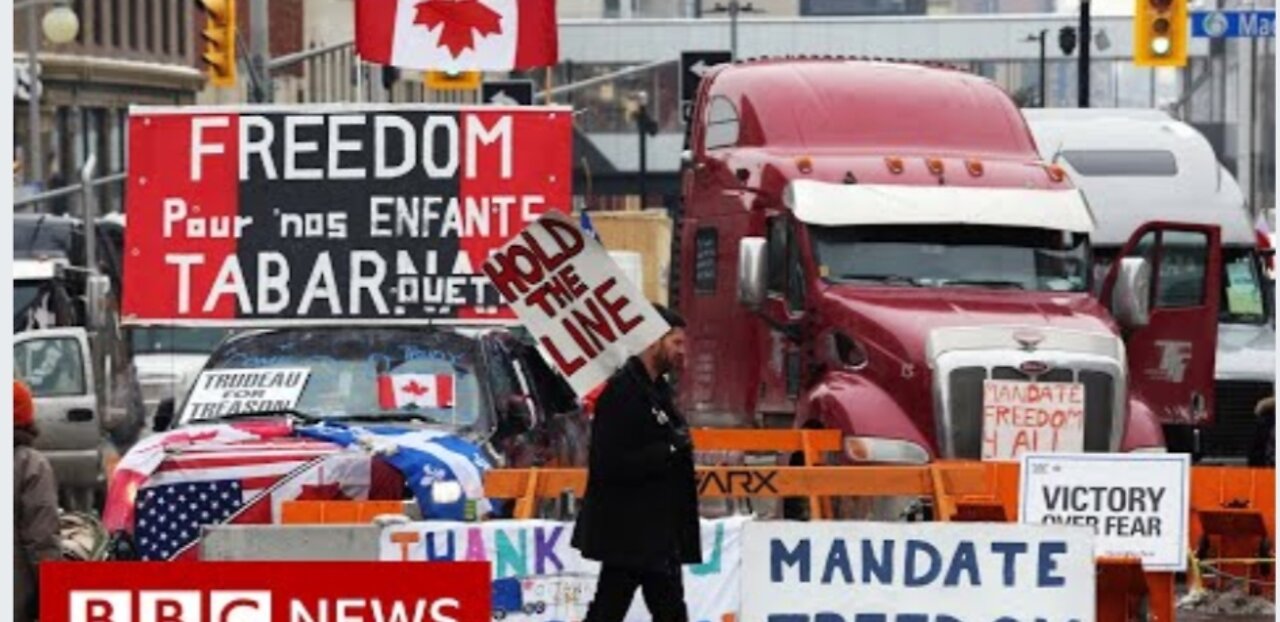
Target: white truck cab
[1136, 166]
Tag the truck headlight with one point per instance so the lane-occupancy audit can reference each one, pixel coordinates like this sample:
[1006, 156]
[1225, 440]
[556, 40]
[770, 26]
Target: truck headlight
[871, 449]
[446, 492]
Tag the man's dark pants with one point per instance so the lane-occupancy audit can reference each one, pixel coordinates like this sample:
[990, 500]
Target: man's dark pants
[662, 588]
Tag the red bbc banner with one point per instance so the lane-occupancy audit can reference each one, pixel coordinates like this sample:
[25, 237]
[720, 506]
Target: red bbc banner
[265, 592]
[262, 215]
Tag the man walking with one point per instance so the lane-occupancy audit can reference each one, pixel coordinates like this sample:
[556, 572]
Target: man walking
[640, 513]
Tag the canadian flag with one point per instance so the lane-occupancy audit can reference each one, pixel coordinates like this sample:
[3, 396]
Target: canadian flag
[397, 391]
[458, 35]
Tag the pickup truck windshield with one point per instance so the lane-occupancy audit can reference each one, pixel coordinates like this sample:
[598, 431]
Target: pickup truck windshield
[953, 256]
[370, 374]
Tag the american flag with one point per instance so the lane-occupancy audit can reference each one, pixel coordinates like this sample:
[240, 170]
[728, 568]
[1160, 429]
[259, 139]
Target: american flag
[170, 517]
[247, 485]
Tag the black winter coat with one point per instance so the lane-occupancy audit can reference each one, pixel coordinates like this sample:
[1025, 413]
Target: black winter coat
[641, 502]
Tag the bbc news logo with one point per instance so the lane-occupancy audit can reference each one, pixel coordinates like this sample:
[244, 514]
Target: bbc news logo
[265, 592]
[170, 606]
[248, 606]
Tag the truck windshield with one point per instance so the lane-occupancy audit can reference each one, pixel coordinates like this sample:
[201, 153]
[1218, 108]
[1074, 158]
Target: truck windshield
[371, 374]
[954, 256]
[175, 340]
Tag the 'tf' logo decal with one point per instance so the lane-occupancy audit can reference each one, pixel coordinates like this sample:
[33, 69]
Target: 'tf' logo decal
[1174, 356]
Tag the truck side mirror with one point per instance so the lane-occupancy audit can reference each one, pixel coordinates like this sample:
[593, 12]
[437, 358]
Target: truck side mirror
[164, 415]
[752, 272]
[97, 291]
[1131, 298]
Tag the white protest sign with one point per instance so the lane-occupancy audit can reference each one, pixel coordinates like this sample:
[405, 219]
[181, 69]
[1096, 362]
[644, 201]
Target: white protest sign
[229, 391]
[935, 572]
[1022, 417]
[587, 316]
[539, 577]
[1137, 503]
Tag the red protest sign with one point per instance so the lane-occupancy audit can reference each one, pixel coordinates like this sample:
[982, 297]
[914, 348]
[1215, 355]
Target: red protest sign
[262, 215]
[586, 315]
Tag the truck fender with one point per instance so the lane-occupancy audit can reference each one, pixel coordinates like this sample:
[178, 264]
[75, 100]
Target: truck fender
[857, 406]
[1142, 427]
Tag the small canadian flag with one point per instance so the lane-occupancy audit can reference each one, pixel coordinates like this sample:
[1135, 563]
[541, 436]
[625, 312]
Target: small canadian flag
[397, 391]
[458, 35]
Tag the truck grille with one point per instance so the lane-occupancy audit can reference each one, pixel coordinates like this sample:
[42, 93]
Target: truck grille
[1234, 424]
[964, 406]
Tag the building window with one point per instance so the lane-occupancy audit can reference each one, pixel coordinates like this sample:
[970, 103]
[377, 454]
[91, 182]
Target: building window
[117, 23]
[98, 39]
[149, 24]
[132, 20]
[166, 30]
[183, 29]
[78, 7]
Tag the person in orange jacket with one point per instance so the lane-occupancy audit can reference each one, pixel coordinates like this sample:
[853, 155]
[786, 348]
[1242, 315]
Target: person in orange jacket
[35, 507]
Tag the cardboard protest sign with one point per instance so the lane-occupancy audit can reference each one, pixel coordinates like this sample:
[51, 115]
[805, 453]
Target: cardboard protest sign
[539, 577]
[1138, 504]
[961, 572]
[587, 316]
[1021, 417]
[230, 391]
[267, 214]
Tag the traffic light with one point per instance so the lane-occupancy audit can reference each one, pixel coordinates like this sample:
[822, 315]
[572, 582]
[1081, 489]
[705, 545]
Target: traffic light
[1160, 32]
[390, 75]
[1067, 39]
[453, 80]
[220, 41]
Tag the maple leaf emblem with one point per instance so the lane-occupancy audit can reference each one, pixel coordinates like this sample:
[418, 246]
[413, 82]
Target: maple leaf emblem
[460, 19]
[415, 389]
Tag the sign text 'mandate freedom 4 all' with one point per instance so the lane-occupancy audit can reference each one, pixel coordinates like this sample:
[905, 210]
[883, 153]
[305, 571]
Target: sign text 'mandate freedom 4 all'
[255, 215]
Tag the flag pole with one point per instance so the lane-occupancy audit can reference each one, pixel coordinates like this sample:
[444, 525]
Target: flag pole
[546, 85]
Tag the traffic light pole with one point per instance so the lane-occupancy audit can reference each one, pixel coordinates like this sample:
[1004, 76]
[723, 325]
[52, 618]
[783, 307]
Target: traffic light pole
[1086, 44]
[259, 41]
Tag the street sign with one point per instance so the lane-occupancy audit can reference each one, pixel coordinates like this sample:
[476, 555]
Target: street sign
[23, 85]
[507, 93]
[453, 81]
[693, 65]
[1233, 24]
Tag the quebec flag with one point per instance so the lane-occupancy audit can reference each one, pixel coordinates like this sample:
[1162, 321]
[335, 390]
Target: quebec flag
[425, 458]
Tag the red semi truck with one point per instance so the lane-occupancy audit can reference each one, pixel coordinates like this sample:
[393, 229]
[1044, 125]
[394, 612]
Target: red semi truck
[878, 248]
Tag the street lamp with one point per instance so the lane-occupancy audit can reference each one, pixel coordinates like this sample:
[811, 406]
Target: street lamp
[646, 126]
[60, 25]
[1040, 38]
